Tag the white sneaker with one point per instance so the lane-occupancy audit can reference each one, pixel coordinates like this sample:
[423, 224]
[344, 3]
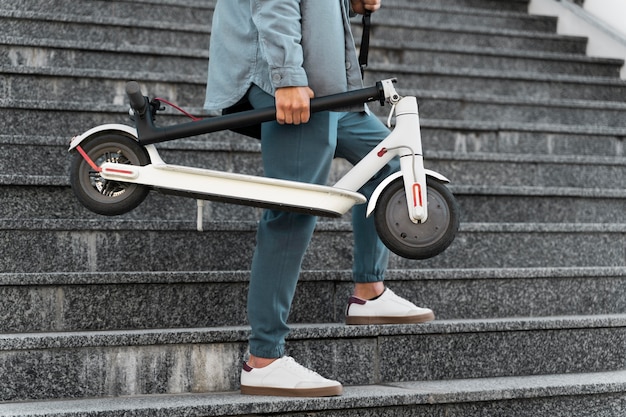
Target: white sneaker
[386, 309]
[286, 377]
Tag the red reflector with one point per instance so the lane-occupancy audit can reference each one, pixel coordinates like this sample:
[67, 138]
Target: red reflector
[119, 171]
[417, 195]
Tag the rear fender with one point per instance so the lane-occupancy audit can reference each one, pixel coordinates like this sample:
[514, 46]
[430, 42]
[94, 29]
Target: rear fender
[131, 132]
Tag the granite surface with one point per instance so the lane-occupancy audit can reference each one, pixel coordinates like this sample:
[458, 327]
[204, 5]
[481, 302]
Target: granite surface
[162, 361]
[582, 395]
[165, 246]
[96, 322]
[181, 299]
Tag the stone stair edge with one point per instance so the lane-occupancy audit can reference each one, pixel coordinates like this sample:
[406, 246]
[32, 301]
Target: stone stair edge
[393, 275]
[476, 98]
[466, 190]
[430, 393]
[107, 224]
[210, 5]
[231, 334]
[410, 70]
[103, 47]
[380, 20]
[28, 15]
[425, 123]
[556, 56]
[202, 53]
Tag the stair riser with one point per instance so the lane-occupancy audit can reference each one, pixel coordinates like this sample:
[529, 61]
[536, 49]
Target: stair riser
[435, 138]
[488, 61]
[104, 34]
[206, 303]
[548, 209]
[532, 113]
[196, 66]
[56, 161]
[390, 15]
[192, 95]
[58, 202]
[187, 250]
[34, 87]
[28, 121]
[513, 6]
[408, 38]
[201, 13]
[106, 59]
[179, 368]
[524, 89]
[507, 141]
[524, 173]
[410, 13]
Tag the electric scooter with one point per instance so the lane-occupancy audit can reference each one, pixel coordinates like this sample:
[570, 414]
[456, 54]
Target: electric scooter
[115, 166]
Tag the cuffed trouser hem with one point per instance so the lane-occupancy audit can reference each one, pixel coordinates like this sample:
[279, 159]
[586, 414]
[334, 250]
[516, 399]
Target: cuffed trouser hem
[368, 278]
[271, 353]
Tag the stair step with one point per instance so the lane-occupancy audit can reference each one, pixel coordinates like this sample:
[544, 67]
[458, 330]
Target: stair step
[192, 61]
[531, 85]
[513, 58]
[187, 11]
[89, 86]
[24, 51]
[400, 37]
[116, 245]
[100, 301]
[168, 361]
[574, 395]
[45, 197]
[99, 30]
[490, 5]
[424, 26]
[438, 16]
[73, 118]
[497, 169]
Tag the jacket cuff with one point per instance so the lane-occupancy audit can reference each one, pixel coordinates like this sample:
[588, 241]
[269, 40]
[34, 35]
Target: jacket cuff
[288, 77]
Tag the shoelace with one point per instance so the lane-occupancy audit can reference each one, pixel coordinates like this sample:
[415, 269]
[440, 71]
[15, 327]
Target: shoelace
[291, 362]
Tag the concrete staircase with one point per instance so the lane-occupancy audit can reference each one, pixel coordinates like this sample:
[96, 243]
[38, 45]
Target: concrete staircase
[141, 315]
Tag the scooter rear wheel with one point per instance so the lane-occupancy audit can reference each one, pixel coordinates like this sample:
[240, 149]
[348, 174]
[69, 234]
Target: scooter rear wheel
[422, 240]
[110, 198]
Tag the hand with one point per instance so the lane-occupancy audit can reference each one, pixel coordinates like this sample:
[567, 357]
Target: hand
[360, 6]
[293, 105]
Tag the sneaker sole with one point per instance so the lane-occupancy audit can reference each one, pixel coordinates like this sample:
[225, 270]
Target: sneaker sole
[293, 392]
[422, 318]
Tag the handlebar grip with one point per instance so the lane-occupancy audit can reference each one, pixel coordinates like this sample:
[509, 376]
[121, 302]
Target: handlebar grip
[137, 100]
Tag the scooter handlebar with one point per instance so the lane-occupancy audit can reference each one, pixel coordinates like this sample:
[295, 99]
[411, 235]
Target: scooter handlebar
[137, 101]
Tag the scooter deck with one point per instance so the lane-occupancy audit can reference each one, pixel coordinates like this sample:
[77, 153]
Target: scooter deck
[237, 188]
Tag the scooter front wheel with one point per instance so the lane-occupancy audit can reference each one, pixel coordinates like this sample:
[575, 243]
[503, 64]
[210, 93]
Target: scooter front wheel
[110, 198]
[422, 240]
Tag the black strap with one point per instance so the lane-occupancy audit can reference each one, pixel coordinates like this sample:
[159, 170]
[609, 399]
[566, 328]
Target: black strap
[365, 41]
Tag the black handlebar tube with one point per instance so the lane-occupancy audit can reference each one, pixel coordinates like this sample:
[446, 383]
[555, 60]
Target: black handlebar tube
[148, 133]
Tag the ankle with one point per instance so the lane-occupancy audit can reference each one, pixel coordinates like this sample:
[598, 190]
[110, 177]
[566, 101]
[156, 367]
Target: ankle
[257, 362]
[369, 290]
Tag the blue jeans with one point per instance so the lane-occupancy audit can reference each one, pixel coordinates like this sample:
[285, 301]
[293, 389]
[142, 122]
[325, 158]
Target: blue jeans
[304, 153]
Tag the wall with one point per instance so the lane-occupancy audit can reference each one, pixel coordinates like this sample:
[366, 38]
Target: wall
[612, 12]
[603, 40]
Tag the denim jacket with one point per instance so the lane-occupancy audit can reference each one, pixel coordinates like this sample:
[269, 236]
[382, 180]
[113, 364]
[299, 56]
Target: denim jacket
[280, 43]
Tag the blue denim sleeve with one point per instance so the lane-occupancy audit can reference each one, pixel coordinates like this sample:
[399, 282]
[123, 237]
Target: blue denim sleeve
[280, 33]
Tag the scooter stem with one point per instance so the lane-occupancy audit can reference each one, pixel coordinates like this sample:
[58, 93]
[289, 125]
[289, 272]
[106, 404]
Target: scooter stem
[148, 133]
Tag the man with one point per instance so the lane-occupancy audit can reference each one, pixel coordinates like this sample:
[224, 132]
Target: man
[282, 53]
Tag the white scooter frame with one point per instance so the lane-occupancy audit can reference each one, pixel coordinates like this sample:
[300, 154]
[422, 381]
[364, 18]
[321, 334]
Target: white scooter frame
[90, 178]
